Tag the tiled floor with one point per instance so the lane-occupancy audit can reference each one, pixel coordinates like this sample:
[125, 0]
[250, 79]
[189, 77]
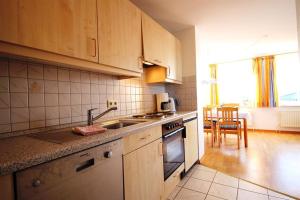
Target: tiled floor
[203, 183]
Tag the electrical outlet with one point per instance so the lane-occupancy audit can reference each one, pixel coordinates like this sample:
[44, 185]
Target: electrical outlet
[112, 103]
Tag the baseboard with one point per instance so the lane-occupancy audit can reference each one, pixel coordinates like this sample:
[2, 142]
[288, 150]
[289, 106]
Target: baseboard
[272, 131]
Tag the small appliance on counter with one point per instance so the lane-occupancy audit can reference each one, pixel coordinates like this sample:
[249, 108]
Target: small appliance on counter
[172, 104]
[162, 102]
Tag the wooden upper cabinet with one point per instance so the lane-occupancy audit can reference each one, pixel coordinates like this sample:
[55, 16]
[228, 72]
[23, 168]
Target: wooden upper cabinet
[66, 27]
[178, 75]
[120, 36]
[156, 41]
[171, 57]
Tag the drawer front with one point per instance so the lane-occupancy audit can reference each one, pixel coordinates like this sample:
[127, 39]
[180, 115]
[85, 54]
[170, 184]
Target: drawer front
[139, 139]
[172, 181]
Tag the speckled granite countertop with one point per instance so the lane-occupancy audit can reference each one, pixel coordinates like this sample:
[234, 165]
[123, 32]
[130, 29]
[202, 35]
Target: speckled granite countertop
[21, 152]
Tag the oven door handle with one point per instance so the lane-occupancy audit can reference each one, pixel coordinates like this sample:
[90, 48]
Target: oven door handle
[173, 133]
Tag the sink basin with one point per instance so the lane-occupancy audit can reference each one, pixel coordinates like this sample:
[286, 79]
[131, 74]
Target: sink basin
[116, 124]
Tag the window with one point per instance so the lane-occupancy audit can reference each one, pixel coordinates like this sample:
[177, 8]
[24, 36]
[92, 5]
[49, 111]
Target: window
[288, 79]
[236, 83]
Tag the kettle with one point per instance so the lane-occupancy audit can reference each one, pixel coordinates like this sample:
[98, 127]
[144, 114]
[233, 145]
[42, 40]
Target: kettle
[172, 105]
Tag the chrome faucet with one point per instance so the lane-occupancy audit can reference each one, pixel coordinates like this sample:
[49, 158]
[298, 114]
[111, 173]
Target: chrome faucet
[91, 118]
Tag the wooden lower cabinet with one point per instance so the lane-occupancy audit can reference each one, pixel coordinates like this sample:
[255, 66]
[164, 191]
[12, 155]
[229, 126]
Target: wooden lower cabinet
[6, 187]
[143, 172]
[172, 181]
[191, 143]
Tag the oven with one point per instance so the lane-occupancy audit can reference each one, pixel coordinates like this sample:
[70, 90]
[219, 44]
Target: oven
[173, 146]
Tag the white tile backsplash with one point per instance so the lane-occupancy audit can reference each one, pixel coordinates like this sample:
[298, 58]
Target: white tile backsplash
[35, 71]
[37, 95]
[17, 69]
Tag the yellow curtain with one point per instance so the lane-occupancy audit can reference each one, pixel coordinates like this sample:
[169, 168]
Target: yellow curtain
[214, 91]
[266, 89]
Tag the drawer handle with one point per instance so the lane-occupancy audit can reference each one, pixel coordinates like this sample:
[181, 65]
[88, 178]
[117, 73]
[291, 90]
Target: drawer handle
[85, 165]
[143, 138]
[36, 182]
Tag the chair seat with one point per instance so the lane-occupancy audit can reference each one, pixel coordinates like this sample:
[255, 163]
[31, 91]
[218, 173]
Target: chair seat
[207, 126]
[229, 127]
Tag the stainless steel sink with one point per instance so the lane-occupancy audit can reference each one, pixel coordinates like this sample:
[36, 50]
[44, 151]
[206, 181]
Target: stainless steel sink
[116, 124]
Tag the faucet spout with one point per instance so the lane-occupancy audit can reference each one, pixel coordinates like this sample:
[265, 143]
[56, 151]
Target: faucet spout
[91, 118]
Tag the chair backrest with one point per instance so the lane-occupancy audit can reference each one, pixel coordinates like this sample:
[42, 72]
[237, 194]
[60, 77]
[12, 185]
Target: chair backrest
[229, 115]
[207, 115]
[230, 105]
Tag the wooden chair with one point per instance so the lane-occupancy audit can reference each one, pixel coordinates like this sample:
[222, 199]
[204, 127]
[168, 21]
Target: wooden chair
[236, 105]
[209, 124]
[228, 122]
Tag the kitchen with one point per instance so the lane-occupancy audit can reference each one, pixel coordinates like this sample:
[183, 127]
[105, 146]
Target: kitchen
[66, 64]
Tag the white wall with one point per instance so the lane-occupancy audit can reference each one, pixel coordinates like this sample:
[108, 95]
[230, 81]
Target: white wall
[298, 21]
[190, 63]
[188, 48]
[269, 118]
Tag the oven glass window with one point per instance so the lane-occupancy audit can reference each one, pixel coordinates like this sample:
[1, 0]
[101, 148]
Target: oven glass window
[173, 150]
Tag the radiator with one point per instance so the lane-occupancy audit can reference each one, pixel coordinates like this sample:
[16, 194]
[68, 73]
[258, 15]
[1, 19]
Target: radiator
[290, 119]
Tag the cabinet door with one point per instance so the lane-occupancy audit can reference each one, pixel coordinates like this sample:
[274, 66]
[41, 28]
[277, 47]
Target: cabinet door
[171, 57]
[155, 41]
[191, 144]
[66, 27]
[120, 37]
[143, 173]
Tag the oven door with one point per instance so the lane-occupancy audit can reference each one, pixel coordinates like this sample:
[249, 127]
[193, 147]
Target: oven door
[173, 151]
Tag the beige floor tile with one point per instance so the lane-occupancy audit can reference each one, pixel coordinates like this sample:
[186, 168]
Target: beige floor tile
[197, 185]
[202, 167]
[275, 194]
[223, 191]
[226, 180]
[252, 187]
[174, 193]
[276, 198]
[247, 195]
[186, 194]
[191, 171]
[204, 175]
[183, 181]
[209, 197]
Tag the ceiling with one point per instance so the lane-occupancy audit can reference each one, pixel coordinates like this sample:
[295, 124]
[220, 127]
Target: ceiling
[231, 29]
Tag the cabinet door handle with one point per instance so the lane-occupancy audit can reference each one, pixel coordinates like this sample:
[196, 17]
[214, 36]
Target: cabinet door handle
[145, 137]
[157, 60]
[160, 148]
[85, 165]
[92, 47]
[169, 71]
[140, 62]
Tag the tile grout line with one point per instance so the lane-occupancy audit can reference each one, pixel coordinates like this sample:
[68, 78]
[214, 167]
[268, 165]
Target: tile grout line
[237, 195]
[211, 184]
